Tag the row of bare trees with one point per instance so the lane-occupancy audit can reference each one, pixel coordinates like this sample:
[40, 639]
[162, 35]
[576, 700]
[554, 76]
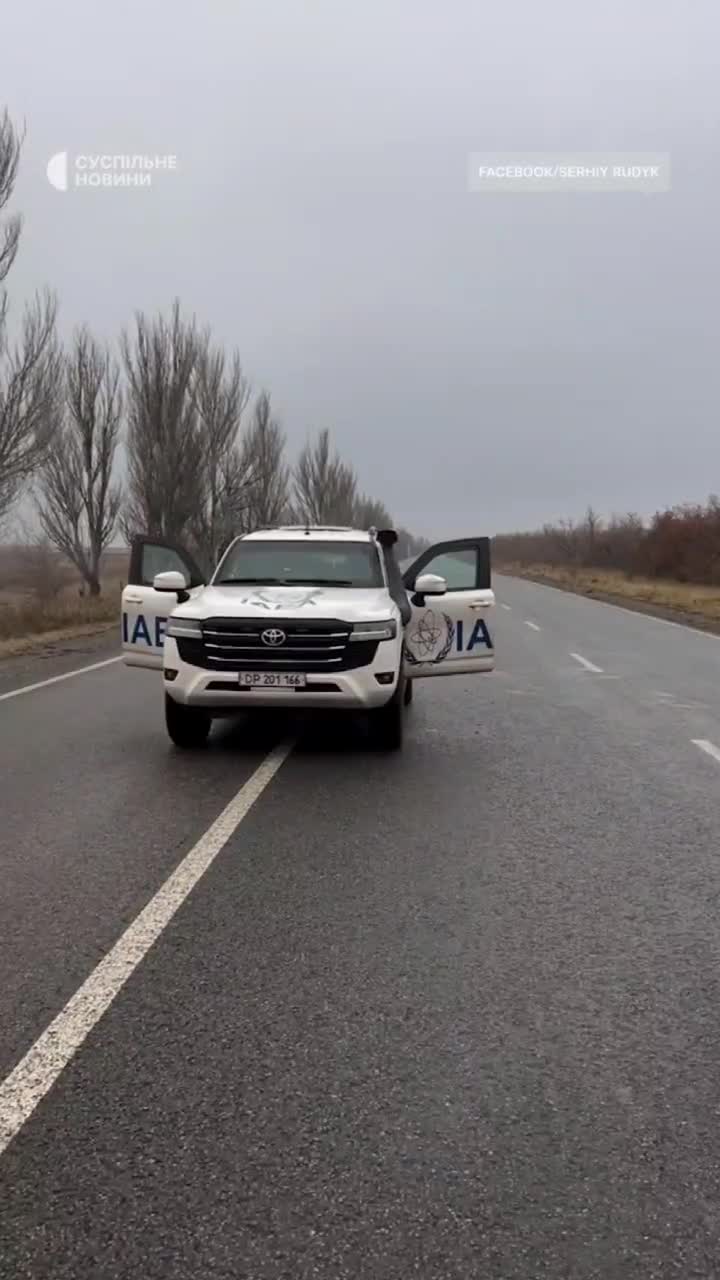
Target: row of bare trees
[164, 437]
[681, 543]
[31, 366]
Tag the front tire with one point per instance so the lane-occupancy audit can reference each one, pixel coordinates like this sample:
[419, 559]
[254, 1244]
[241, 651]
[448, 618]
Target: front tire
[387, 724]
[188, 727]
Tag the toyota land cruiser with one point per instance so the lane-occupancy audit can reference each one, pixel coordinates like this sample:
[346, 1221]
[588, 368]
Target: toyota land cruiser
[321, 617]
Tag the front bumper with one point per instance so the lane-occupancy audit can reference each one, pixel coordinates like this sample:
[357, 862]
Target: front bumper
[219, 691]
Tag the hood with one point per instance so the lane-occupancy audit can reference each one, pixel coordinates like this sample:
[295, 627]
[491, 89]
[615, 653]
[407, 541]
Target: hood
[348, 604]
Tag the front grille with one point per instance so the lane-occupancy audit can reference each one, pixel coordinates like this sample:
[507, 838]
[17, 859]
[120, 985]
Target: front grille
[312, 647]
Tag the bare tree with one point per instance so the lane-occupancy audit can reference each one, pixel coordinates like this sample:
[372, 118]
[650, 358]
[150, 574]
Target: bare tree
[165, 459]
[30, 393]
[566, 536]
[591, 530]
[371, 514]
[263, 458]
[77, 501]
[324, 487]
[10, 147]
[227, 476]
[409, 544]
[28, 370]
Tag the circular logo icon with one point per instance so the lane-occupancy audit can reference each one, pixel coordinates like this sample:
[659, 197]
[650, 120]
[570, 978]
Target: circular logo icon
[273, 636]
[432, 639]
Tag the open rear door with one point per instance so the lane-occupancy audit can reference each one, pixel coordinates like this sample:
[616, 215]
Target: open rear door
[145, 611]
[450, 634]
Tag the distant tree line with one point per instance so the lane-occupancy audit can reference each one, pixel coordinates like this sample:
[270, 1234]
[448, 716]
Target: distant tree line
[204, 458]
[681, 543]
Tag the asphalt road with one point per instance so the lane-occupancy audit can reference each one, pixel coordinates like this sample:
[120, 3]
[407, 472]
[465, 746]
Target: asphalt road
[454, 1013]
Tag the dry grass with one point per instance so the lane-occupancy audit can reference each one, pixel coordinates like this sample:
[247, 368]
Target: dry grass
[30, 610]
[683, 598]
[29, 644]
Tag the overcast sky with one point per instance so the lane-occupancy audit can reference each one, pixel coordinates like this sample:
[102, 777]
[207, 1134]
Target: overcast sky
[489, 361]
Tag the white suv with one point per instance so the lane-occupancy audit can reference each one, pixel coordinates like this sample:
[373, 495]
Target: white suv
[317, 617]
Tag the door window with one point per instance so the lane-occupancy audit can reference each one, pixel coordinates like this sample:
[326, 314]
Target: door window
[458, 568]
[158, 559]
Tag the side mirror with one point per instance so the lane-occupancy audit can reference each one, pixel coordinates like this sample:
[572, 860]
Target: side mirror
[428, 584]
[172, 580]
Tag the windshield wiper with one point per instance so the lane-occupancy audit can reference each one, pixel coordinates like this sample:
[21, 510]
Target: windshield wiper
[318, 582]
[285, 582]
[250, 582]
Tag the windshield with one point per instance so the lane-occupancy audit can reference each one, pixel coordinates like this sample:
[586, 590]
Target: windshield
[307, 563]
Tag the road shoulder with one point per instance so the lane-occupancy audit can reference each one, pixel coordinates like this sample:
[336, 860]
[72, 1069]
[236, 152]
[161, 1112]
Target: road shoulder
[55, 656]
[682, 617]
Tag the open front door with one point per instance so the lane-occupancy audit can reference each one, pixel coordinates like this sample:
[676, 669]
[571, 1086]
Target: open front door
[145, 611]
[449, 634]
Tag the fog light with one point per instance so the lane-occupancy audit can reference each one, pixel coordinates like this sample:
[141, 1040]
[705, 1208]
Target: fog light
[385, 677]
[169, 673]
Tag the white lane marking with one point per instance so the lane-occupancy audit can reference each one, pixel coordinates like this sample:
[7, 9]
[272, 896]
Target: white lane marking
[708, 747]
[36, 1073]
[67, 675]
[533, 625]
[589, 666]
[668, 700]
[507, 607]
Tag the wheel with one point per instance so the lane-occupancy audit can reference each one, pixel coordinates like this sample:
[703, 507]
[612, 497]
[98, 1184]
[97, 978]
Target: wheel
[188, 727]
[387, 723]
[409, 691]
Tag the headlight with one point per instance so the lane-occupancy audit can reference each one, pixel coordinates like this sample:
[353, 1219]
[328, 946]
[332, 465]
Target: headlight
[184, 629]
[374, 630]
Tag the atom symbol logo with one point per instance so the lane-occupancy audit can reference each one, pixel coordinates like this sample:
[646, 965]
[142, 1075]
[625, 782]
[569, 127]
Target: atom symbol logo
[431, 640]
[427, 635]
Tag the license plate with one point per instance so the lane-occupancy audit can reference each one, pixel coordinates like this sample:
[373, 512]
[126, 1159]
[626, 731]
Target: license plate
[271, 680]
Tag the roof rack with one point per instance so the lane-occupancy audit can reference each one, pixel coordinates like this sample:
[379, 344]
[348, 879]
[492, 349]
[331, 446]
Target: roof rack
[319, 528]
[371, 532]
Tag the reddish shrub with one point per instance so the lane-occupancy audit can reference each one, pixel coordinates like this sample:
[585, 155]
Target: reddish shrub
[682, 544]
